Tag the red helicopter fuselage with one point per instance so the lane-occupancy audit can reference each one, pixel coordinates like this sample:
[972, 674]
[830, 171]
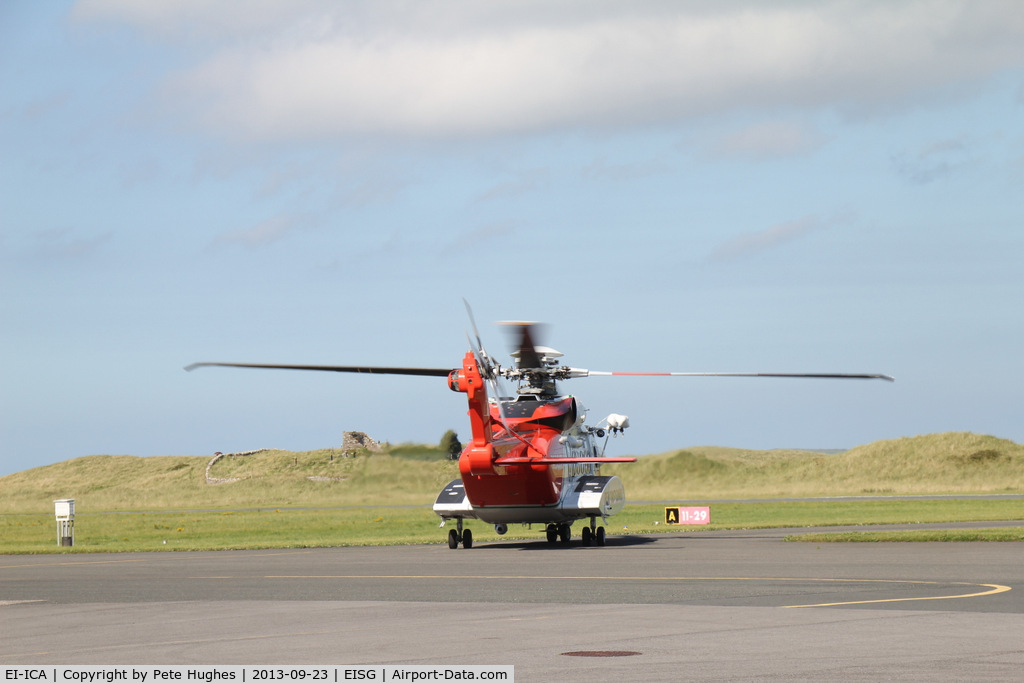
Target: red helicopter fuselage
[524, 457]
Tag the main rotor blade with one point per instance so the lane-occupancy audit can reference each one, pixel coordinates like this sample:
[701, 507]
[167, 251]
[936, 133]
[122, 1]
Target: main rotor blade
[373, 370]
[798, 375]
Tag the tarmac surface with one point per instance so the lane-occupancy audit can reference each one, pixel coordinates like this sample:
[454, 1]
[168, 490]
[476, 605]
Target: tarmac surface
[723, 605]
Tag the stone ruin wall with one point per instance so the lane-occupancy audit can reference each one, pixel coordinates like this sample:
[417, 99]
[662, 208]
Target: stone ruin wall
[354, 441]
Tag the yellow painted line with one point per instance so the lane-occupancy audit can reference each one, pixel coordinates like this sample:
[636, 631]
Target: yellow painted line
[285, 552]
[995, 588]
[213, 577]
[68, 564]
[140, 559]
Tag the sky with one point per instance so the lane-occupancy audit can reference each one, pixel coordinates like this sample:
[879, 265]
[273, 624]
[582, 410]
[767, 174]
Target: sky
[670, 186]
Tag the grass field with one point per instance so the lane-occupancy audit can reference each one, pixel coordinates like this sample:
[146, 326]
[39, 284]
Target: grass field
[127, 503]
[304, 528]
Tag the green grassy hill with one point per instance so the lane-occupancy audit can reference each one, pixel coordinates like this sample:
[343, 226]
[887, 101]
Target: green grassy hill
[937, 463]
[405, 474]
[413, 475]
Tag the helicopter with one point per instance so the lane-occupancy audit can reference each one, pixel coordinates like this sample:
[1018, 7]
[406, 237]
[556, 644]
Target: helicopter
[532, 459]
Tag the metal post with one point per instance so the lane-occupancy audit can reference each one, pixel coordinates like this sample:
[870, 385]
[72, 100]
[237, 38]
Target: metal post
[64, 511]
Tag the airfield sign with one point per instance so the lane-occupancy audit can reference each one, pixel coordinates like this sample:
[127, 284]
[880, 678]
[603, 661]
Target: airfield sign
[687, 515]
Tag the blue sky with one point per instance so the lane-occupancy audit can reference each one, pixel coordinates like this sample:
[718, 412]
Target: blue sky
[671, 186]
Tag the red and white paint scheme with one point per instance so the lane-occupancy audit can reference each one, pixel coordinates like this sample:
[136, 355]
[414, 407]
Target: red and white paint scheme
[532, 459]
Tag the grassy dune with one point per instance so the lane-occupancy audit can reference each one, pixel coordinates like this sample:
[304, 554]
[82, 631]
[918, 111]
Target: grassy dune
[407, 475]
[413, 475]
[288, 499]
[936, 464]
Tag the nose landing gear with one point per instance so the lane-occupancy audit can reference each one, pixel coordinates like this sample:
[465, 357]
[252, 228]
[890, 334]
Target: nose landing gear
[457, 536]
[593, 534]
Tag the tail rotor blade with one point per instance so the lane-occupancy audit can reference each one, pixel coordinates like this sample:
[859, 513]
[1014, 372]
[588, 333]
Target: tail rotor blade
[476, 333]
[483, 361]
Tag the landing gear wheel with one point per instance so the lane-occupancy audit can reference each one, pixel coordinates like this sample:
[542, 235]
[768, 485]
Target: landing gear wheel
[467, 539]
[453, 539]
[588, 535]
[564, 533]
[599, 535]
[552, 532]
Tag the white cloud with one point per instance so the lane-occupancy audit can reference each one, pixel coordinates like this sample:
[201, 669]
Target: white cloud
[191, 21]
[772, 139]
[523, 182]
[480, 237]
[934, 161]
[602, 169]
[764, 240]
[265, 232]
[315, 70]
[68, 243]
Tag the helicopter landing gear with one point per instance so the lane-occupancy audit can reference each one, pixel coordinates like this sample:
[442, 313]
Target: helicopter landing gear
[558, 532]
[457, 535]
[593, 534]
